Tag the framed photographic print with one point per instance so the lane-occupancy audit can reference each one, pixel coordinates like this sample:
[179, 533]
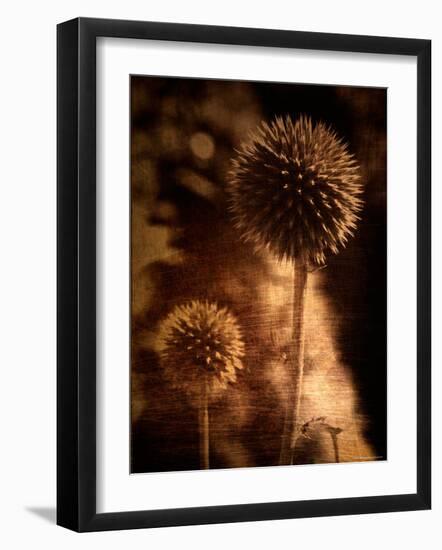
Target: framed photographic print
[243, 274]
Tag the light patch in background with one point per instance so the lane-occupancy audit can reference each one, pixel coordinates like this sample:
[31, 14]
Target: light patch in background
[202, 145]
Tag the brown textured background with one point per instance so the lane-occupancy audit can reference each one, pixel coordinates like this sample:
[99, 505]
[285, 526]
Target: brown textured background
[183, 247]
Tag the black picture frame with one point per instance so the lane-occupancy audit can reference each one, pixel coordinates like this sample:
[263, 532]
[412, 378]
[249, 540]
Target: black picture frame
[76, 274]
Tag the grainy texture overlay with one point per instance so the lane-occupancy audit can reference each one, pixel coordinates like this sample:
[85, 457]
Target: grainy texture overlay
[258, 274]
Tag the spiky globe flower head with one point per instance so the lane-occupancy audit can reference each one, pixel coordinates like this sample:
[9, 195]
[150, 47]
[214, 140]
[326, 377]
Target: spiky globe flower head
[198, 342]
[295, 190]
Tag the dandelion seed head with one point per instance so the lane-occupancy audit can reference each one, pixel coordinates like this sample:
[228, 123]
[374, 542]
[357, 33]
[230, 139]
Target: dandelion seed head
[295, 189]
[200, 341]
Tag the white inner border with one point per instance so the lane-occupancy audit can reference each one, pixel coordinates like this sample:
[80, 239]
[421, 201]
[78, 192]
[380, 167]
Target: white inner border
[116, 489]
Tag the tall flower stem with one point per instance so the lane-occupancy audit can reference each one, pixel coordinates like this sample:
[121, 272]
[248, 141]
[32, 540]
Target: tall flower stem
[291, 422]
[203, 424]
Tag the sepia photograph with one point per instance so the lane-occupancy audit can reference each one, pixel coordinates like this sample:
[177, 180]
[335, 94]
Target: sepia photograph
[258, 274]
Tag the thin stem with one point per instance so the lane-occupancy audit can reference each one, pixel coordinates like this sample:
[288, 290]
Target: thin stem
[334, 432]
[203, 424]
[335, 446]
[291, 422]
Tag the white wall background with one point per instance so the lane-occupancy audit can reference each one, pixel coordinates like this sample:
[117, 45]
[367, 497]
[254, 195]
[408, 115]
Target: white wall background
[27, 275]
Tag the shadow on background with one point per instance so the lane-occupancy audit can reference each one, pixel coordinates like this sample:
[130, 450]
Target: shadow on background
[44, 512]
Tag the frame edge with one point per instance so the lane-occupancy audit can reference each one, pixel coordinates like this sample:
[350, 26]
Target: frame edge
[67, 275]
[424, 273]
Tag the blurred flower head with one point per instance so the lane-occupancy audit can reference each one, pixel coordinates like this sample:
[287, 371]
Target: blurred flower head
[295, 190]
[199, 342]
